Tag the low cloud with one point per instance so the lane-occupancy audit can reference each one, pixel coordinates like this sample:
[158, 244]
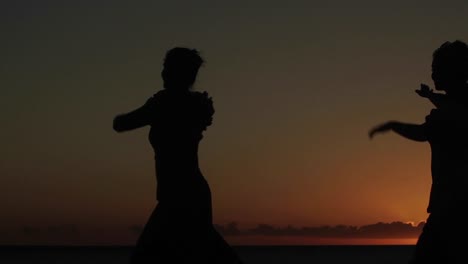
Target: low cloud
[378, 230]
[230, 229]
[55, 230]
[31, 231]
[136, 229]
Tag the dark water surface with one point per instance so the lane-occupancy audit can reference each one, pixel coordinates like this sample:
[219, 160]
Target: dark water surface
[250, 254]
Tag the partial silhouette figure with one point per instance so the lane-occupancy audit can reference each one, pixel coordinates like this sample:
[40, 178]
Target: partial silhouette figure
[180, 229]
[444, 235]
[437, 99]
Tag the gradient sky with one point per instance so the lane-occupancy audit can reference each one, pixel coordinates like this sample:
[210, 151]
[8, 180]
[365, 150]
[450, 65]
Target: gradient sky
[296, 86]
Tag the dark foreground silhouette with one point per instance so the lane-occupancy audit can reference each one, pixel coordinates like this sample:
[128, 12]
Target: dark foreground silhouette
[180, 229]
[446, 130]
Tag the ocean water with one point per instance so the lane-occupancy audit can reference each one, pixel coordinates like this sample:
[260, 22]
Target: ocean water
[250, 255]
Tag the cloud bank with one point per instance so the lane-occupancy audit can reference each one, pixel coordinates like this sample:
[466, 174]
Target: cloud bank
[378, 230]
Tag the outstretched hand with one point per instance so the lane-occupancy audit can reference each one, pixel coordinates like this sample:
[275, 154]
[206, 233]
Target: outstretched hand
[382, 128]
[424, 91]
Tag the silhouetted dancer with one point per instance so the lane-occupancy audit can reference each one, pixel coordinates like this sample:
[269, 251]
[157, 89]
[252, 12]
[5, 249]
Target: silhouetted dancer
[444, 237]
[180, 229]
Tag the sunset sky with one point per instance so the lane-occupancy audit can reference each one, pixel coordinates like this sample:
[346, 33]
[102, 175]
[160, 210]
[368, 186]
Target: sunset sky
[296, 87]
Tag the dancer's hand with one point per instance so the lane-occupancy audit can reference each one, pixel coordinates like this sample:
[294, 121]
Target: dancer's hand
[382, 128]
[424, 91]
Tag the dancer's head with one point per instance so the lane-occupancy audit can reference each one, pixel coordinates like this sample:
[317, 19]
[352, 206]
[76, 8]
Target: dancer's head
[450, 66]
[180, 68]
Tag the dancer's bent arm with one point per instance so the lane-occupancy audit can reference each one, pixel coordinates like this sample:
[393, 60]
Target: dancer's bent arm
[410, 131]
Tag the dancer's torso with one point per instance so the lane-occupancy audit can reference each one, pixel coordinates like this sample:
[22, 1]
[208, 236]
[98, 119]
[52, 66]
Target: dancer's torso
[176, 130]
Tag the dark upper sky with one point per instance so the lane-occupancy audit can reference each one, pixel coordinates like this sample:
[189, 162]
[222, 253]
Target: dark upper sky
[296, 86]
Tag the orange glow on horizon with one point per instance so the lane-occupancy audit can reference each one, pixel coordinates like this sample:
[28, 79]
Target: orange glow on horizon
[315, 241]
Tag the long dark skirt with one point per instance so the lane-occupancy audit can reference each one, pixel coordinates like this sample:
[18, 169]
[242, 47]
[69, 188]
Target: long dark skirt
[182, 232]
[443, 240]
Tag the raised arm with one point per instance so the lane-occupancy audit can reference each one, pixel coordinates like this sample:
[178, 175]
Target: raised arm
[410, 131]
[135, 119]
[437, 99]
